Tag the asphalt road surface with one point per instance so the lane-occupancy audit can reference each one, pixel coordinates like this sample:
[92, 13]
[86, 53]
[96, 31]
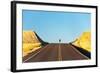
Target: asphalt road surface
[55, 52]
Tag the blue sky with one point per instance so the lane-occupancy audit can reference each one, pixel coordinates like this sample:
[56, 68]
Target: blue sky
[52, 26]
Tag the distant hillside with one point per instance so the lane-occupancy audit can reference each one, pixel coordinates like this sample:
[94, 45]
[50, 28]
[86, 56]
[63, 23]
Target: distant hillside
[84, 41]
[31, 42]
[30, 37]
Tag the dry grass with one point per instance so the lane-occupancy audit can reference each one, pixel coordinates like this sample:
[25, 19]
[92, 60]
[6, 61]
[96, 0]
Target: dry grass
[30, 37]
[30, 42]
[84, 41]
[30, 47]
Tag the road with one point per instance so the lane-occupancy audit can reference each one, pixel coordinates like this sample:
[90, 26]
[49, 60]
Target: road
[55, 52]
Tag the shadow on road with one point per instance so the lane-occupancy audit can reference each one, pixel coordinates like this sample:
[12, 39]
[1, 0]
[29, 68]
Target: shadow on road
[83, 51]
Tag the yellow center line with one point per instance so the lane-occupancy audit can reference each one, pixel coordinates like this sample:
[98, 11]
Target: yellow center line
[59, 53]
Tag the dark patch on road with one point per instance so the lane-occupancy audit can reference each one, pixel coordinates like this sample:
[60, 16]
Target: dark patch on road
[83, 51]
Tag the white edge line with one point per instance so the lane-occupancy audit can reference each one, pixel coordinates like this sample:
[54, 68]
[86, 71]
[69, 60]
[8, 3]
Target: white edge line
[35, 54]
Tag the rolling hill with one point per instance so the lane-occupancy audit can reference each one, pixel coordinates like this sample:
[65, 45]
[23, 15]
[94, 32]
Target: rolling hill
[31, 42]
[84, 41]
